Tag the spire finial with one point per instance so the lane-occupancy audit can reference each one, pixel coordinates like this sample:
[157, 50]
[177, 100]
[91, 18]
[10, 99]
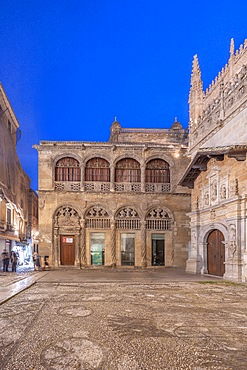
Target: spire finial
[196, 74]
[232, 47]
[195, 66]
[115, 119]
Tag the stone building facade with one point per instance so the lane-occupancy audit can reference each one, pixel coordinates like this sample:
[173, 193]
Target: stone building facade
[14, 185]
[115, 203]
[217, 172]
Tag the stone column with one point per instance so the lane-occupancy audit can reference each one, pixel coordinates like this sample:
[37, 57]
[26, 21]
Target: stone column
[112, 178]
[113, 243]
[83, 243]
[143, 189]
[143, 244]
[82, 178]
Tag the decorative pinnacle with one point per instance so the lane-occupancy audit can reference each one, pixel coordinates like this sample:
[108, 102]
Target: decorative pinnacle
[195, 66]
[196, 73]
[232, 47]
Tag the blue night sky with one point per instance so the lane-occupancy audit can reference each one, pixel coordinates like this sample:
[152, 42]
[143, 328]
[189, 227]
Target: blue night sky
[70, 66]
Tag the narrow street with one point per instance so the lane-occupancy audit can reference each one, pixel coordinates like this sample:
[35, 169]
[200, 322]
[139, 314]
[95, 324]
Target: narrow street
[122, 319]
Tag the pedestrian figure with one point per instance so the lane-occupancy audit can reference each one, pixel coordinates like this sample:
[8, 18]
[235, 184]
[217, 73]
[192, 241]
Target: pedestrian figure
[46, 263]
[5, 258]
[36, 261]
[14, 260]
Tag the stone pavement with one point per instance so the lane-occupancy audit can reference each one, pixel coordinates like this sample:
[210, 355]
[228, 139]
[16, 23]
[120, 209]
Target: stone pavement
[123, 320]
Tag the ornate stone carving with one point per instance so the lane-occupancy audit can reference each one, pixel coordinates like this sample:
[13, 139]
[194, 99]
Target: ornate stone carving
[97, 211]
[143, 244]
[158, 219]
[223, 192]
[193, 240]
[83, 243]
[206, 199]
[232, 247]
[157, 213]
[67, 216]
[127, 218]
[214, 191]
[113, 243]
[234, 187]
[127, 213]
[97, 218]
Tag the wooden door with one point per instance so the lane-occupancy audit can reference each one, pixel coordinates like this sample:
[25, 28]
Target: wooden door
[216, 253]
[67, 250]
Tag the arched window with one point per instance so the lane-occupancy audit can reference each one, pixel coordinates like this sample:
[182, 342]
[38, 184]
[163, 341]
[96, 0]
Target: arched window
[128, 170]
[97, 169]
[127, 218]
[67, 169]
[158, 219]
[97, 218]
[157, 171]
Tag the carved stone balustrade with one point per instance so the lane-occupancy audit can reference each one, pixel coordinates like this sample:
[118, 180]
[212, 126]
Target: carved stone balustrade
[67, 186]
[97, 186]
[158, 188]
[132, 187]
[129, 187]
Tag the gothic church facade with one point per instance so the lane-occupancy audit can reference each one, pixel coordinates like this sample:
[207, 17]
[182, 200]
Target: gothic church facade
[217, 173]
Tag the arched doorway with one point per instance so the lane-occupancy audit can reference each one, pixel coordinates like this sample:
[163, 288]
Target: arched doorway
[216, 253]
[66, 236]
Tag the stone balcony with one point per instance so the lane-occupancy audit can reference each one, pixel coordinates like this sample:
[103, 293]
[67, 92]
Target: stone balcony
[123, 187]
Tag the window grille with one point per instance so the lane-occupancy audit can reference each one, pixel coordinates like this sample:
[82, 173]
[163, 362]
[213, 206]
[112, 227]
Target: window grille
[97, 169]
[67, 169]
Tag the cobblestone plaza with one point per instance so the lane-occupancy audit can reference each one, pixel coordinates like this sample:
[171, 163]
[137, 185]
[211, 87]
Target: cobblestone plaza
[121, 319]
